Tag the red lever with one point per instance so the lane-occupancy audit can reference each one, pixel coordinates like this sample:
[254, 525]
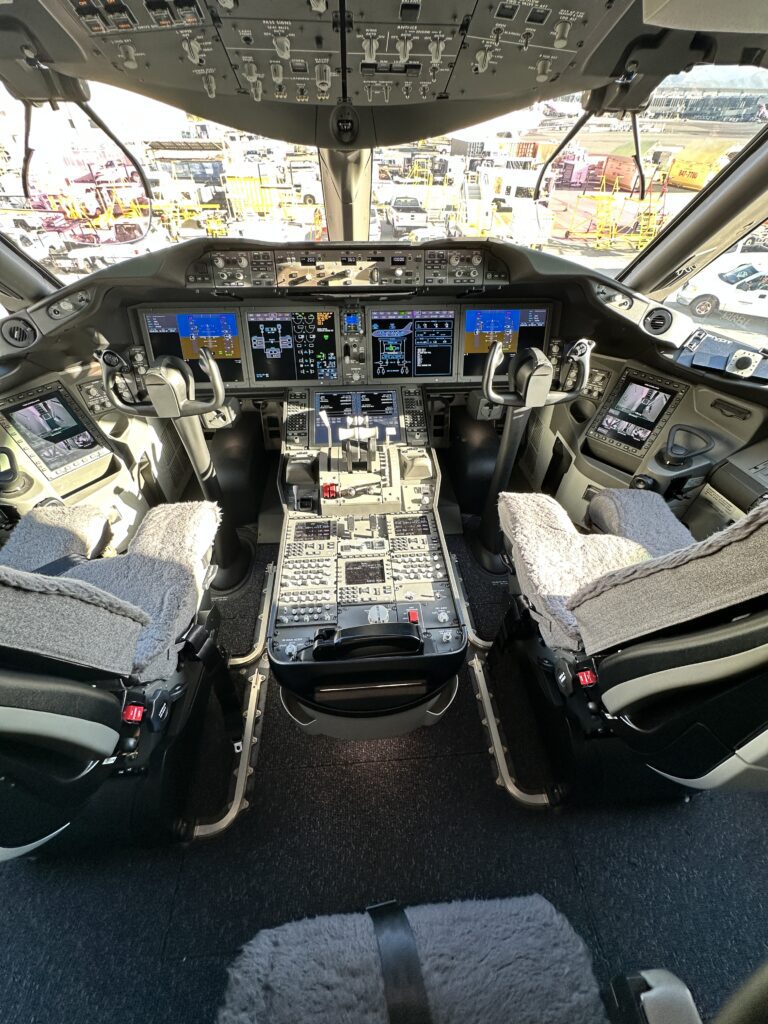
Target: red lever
[133, 713]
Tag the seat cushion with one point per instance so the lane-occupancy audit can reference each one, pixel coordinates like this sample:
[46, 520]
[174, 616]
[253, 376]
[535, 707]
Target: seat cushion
[163, 573]
[504, 961]
[641, 516]
[726, 569]
[554, 561]
[68, 620]
[51, 532]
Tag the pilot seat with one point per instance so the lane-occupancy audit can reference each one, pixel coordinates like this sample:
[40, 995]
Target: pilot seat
[106, 665]
[638, 632]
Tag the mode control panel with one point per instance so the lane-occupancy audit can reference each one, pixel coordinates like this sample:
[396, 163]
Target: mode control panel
[453, 266]
[349, 268]
[230, 268]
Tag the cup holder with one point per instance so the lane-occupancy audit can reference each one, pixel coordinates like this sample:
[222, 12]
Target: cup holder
[582, 410]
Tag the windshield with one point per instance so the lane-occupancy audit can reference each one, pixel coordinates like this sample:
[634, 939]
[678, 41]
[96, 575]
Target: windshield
[211, 180]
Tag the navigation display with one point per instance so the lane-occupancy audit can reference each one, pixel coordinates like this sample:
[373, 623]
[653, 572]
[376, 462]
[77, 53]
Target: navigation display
[293, 346]
[412, 343]
[339, 414]
[634, 413]
[516, 327]
[54, 430]
[184, 334]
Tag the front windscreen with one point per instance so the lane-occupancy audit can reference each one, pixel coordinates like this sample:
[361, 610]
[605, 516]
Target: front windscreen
[53, 429]
[185, 334]
[634, 414]
[515, 327]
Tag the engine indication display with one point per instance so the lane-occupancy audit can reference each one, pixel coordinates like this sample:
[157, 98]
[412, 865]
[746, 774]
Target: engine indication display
[412, 343]
[362, 411]
[295, 345]
[515, 327]
[185, 334]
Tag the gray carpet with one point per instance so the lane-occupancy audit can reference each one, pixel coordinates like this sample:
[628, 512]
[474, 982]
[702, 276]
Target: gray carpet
[95, 933]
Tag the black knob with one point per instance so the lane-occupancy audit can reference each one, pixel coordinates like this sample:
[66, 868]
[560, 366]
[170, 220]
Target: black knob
[642, 482]
[8, 475]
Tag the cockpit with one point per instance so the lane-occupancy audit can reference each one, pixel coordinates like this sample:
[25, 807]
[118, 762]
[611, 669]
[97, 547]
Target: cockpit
[359, 493]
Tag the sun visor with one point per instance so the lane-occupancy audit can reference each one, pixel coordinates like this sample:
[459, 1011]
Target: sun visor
[706, 15]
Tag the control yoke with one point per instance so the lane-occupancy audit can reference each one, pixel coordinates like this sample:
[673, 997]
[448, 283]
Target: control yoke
[530, 376]
[170, 386]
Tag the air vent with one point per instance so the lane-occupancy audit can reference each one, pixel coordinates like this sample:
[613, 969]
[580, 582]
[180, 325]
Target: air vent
[17, 332]
[657, 321]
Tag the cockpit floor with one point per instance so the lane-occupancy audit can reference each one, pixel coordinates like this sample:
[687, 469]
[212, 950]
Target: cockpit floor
[88, 935]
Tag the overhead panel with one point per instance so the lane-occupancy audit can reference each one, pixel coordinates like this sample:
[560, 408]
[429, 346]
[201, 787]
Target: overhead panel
[398, 51]
[414, 68]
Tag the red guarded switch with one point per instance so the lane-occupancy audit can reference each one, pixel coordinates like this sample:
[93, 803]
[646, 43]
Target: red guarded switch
[587, 677]
[330, 490]
[133, 713]
[413, 615]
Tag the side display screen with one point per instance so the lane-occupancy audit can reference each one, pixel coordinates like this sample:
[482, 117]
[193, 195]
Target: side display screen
[55, 432]
[634, 413]
[184, 334]
[412, 343]
[348, 411]
[293, 346]
[515, 327]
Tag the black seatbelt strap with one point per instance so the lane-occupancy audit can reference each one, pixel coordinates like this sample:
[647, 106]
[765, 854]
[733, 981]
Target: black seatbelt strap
[404, 988]
[60, 565]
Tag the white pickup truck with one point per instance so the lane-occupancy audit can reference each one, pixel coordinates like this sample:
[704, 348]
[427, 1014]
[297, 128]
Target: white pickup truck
[405, 213]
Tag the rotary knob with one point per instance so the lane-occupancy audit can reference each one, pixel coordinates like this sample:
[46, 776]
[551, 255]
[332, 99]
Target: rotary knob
[378, 613]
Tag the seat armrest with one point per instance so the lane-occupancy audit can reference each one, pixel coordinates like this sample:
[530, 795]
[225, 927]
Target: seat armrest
[69, 716]
[641, 516]
[697, 658]
[51, 532]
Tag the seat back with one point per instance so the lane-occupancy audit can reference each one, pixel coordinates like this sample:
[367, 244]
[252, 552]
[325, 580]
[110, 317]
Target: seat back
[68, 620]
[721, 572]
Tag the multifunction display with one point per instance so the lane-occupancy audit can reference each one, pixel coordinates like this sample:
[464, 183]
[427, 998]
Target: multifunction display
[634, 415]
[341, 415]
[185, 334]
[53, 432]
[516, 327]
[294, 345]
[412, 343]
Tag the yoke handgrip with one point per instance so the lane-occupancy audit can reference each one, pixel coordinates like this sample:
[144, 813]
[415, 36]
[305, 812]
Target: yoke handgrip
[375, 640]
